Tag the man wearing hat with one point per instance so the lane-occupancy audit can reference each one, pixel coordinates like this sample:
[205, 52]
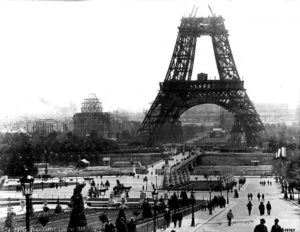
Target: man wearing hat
[131, 225]
[109, 227]
[167, 217]
[276, 227]
[261, 227]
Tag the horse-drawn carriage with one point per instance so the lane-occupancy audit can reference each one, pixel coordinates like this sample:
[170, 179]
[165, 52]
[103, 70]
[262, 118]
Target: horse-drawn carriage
[120, 188]
[96, 191]
[118, 197]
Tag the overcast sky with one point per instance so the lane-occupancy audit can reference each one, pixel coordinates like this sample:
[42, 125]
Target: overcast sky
[54, 53]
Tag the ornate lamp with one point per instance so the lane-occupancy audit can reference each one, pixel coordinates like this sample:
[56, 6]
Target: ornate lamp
[27, 189]
[27, 184]
[155, 199]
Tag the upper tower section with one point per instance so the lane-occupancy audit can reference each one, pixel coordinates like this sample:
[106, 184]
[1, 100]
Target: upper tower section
[182, 62]
[202, 26]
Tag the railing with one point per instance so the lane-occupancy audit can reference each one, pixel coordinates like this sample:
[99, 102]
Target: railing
[147, 226]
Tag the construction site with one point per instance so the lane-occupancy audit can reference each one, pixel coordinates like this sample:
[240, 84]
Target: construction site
[92, 119]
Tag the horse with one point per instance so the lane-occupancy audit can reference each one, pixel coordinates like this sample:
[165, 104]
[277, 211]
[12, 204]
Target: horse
[126, 188]
[100, 191]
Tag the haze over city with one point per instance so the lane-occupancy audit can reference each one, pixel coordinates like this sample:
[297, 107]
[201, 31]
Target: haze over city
[54, 53]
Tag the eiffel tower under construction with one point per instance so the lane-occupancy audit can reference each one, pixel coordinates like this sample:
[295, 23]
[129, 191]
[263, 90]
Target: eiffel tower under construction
[178, 92]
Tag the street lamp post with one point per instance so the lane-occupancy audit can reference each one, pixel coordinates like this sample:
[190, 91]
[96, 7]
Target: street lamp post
[193, 209]
[210, 206]
[227, 194]
[27, 188]
[146, 180]
[155, 198]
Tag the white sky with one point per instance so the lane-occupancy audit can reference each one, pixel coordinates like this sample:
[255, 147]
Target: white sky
[54, 53]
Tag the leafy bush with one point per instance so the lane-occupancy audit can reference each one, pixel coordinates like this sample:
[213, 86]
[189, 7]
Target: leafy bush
[58, 209]
[9, 221]
[46, 209]
[43, 220]
[103, 217]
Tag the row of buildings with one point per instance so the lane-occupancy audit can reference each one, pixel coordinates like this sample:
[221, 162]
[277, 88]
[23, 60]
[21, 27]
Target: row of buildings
[209, 114]
[111, 125]
[91, 119]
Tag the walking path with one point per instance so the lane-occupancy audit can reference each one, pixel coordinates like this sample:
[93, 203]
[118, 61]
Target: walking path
[288, 212]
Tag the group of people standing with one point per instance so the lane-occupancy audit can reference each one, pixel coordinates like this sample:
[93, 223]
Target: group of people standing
[263, 183]
[177, 216]
[121, 225]
[262, 228]
[261, 206]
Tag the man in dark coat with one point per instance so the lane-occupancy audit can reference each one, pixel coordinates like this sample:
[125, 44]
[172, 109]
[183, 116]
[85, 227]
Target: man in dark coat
[167, 217]
[249, 207]
[174, 219]
[229, 217]
[109, 227]
[121, 225]
[179, 217]
[268, 206]
[258, 196]
[261, 227]
[261, 208]
[131, 226]
[276, 227]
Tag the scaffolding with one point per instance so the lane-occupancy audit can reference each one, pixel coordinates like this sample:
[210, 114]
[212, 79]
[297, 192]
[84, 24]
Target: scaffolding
[91, 104]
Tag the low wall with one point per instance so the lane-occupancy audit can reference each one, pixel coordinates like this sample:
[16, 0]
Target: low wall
[236, 170]
[235, 159]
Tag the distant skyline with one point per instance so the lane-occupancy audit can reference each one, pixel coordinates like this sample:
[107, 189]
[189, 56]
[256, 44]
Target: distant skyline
[53, 54]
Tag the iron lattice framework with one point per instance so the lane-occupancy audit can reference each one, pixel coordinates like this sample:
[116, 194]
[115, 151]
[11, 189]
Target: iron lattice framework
[179, 93]
[91, 104]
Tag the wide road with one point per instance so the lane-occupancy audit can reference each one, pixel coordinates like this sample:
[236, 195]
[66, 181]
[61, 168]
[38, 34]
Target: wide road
[287, 212]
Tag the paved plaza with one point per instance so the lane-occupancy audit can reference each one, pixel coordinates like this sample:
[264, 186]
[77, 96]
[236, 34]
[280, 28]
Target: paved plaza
[136, 182]
[288, 212]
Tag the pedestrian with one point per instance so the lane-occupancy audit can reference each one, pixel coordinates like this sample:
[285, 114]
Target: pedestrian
[174, 219]
[251, 196]
[109, 227]
[167, 217]
[131, 225]
[285, 195]
[276, 227]
[261, 227]
[179, 217]
[261, 208]
[262, 197]
[258, 196]
[268, 206]
[248, 196]
[249, 207]
[229, 217]
[121, 225]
